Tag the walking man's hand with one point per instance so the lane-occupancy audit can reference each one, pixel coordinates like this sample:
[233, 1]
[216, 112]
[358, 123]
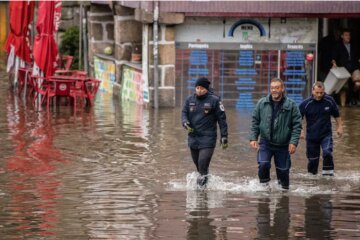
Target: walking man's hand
[254, 144]
[340, 131]
[292, 148]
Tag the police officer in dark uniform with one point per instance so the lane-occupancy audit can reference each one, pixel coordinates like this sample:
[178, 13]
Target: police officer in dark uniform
[200, 114]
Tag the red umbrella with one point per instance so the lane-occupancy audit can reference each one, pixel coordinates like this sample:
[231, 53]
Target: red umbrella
[21, 15]
[45, 48]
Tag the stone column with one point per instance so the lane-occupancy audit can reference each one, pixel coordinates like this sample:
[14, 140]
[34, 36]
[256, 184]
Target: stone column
[128, 25]
[167, 58]
[166, 67]
[128, 32]
[100, 30]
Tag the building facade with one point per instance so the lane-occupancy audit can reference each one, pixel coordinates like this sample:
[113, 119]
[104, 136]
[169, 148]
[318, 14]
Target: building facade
[239, 46]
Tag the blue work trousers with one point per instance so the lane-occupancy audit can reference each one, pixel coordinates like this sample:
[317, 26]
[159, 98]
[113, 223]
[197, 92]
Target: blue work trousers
[282, 163]
[313, 154]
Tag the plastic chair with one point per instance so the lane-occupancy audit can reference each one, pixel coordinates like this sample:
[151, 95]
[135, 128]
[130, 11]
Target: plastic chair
[91, 88]
[67, 62]
[43, 87]
[79, 73]
[78, 90]
[24, 78]
[30, 87]
[21, 80]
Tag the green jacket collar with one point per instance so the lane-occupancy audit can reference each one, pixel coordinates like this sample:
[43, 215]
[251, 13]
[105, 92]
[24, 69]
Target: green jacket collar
[286, 104]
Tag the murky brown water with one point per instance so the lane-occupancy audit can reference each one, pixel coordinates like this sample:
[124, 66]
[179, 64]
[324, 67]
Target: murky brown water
[119, 171]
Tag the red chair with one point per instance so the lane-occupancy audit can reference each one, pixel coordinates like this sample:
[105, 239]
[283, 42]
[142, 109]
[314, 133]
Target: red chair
[44, 88]
[78, 90]
[79, 73]
[24, 77]
[67, 62]
[91, 88]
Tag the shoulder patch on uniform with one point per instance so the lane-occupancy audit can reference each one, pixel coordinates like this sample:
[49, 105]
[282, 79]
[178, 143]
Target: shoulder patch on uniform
[221, 106]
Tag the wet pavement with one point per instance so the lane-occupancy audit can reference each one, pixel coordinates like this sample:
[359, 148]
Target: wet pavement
[118, 171]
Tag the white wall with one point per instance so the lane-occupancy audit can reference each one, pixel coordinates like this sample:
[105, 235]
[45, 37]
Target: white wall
[211, 29]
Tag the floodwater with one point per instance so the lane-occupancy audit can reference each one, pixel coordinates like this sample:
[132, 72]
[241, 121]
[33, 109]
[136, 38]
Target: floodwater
[118, 171]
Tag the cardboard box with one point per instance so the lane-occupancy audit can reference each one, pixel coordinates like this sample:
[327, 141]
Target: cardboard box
[336, 79]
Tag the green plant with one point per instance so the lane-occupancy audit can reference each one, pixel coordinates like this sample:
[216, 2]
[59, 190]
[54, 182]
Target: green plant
[70, 45]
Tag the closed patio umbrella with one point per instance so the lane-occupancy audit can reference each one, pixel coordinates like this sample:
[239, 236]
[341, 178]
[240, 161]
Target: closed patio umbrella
[21, 14]
[45, 48]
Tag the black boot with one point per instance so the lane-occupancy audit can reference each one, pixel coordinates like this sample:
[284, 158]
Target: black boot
[202, 181]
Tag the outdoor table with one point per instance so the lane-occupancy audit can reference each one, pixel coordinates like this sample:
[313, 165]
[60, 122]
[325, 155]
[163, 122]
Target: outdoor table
[63, 72]
[64, 84]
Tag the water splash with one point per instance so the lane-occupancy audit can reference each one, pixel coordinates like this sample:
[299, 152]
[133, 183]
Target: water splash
[217, 183]
[301, 184]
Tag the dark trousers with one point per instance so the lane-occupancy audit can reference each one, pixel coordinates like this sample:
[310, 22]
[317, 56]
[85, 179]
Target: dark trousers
[282, 163]
[313, 154]
[202, 158]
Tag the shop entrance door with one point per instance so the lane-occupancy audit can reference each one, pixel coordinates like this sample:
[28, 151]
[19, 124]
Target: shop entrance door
[241, 76]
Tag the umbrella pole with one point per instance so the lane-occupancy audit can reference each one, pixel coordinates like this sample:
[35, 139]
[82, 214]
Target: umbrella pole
[17, 63]
[25, 87]
[37, 72]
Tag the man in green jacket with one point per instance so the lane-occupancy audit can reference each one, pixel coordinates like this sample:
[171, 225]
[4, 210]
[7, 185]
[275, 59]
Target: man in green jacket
[277, 120]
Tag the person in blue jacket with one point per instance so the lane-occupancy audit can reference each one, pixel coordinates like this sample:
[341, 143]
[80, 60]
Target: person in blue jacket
[317, 111]
[201, 113]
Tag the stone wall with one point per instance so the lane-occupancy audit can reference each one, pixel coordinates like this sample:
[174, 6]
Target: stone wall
[100, 21]
[167, 54]
[127, 26]
[127, 34]
[166, 67]
[70, 16]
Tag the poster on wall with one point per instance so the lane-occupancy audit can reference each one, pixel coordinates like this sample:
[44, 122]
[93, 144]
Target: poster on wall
[105, 72]
[133, 86]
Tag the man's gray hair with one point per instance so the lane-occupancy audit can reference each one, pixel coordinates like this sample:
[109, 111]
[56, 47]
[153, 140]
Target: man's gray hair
[277, 80]
[318, 84]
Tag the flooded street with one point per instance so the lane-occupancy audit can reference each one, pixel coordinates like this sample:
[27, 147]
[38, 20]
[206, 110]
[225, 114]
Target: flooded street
[118, 171]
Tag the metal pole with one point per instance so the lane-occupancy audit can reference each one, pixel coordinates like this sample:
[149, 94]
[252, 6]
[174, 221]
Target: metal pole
[86, 64]
[80, 35]
[156, 54]
[145, 61]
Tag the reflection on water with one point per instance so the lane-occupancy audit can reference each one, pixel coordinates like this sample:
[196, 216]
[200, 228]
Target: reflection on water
[318, 215]
[29, 209]
[273, 218]
[199, 219]
[118, 171]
